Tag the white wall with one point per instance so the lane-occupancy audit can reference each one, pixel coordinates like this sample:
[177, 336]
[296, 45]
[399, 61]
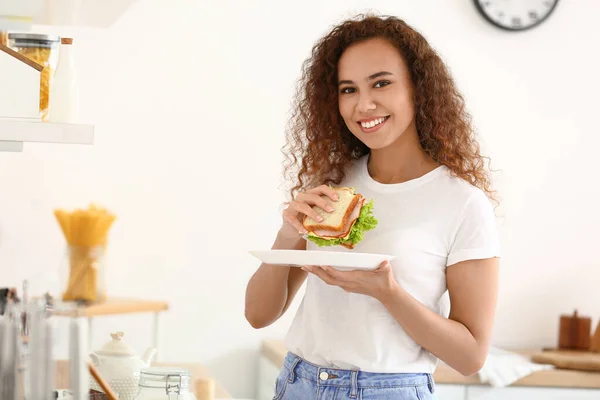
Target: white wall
[190, 100]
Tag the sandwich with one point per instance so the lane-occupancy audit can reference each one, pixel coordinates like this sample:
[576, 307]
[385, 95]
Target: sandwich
[346, 225]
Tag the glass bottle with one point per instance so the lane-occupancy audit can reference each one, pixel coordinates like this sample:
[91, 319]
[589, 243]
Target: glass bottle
[64, 95]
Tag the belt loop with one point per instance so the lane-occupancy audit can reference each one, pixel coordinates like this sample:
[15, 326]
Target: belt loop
[292, 375]
[430, 383]
[354, 383]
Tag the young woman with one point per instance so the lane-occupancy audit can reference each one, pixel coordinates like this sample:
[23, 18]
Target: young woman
[378, 111]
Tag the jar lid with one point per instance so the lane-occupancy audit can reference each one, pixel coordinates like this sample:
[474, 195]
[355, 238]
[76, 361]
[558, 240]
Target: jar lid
[116, 347]
[158, 377]
[34, 36]
[161, 372]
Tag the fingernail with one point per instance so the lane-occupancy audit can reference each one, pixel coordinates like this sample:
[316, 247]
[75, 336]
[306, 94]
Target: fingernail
[320, 219]
[330, 209]
[336, 198]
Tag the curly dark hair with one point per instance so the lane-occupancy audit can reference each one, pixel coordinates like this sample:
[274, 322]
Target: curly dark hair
[320, 146]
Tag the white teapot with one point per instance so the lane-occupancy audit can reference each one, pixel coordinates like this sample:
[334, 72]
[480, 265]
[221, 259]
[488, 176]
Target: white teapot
[119, 366]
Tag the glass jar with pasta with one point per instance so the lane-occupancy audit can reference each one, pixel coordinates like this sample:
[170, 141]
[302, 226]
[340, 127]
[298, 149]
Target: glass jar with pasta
[82, 274]
[42, 49]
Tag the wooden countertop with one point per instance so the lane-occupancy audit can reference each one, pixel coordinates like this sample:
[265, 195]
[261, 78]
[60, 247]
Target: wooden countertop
[275, 351]
[113, 306]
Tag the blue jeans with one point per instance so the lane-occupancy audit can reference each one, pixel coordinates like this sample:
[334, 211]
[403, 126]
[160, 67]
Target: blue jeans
[301, 380]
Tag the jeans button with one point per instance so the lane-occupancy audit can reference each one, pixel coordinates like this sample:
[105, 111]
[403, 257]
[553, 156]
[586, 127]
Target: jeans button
[324, 375]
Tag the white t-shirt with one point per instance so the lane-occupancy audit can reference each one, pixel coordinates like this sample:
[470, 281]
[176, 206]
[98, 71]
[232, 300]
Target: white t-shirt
[428, 224]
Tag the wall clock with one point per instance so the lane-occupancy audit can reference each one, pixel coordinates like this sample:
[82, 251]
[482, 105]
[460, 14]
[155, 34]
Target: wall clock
[515, 15]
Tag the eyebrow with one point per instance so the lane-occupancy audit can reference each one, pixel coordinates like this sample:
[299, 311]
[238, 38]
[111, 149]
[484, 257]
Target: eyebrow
[370, 78]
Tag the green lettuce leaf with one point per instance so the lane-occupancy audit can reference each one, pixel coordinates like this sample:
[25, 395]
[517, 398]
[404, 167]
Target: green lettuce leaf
[365, 222]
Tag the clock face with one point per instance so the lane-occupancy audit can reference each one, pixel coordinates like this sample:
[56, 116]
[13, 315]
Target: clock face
[516, 15]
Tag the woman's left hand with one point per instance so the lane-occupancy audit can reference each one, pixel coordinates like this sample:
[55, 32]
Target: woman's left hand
[377, 283]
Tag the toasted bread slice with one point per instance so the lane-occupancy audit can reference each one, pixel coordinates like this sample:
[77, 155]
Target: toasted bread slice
[344, 233]
[335, 221]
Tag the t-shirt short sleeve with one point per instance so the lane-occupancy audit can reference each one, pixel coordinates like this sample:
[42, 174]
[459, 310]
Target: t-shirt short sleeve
[477, 233]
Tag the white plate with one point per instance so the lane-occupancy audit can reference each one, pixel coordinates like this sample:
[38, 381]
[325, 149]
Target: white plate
[337, 259]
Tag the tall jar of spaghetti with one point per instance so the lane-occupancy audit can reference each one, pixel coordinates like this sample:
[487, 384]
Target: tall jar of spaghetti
[42, 49]
[82, 274]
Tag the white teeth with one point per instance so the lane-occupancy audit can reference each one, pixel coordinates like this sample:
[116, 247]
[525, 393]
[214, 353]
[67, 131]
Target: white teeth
[371, 124]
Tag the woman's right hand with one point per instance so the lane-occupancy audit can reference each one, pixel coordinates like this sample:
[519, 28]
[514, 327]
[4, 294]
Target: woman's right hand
[302, 206]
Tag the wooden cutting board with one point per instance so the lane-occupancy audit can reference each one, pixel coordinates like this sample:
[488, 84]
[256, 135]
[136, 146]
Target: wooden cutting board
[569, 359]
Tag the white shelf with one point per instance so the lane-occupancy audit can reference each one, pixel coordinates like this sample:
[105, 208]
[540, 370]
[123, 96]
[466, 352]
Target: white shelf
[67, 13]
[13, 133]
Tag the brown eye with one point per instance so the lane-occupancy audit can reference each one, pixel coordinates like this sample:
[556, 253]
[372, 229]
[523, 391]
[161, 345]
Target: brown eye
[347, 90]
[382, 83]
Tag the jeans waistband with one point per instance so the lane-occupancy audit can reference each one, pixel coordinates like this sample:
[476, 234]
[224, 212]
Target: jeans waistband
[299, 367]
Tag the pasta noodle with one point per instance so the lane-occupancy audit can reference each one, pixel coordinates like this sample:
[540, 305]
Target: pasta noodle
[86, 233]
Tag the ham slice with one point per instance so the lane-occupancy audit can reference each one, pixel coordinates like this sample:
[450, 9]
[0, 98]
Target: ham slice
[326, 234]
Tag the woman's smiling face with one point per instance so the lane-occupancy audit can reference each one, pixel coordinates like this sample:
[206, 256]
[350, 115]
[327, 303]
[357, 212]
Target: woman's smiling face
[375, 92]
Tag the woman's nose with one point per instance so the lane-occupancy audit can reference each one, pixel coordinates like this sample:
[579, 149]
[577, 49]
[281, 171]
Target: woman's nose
[366, 103]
